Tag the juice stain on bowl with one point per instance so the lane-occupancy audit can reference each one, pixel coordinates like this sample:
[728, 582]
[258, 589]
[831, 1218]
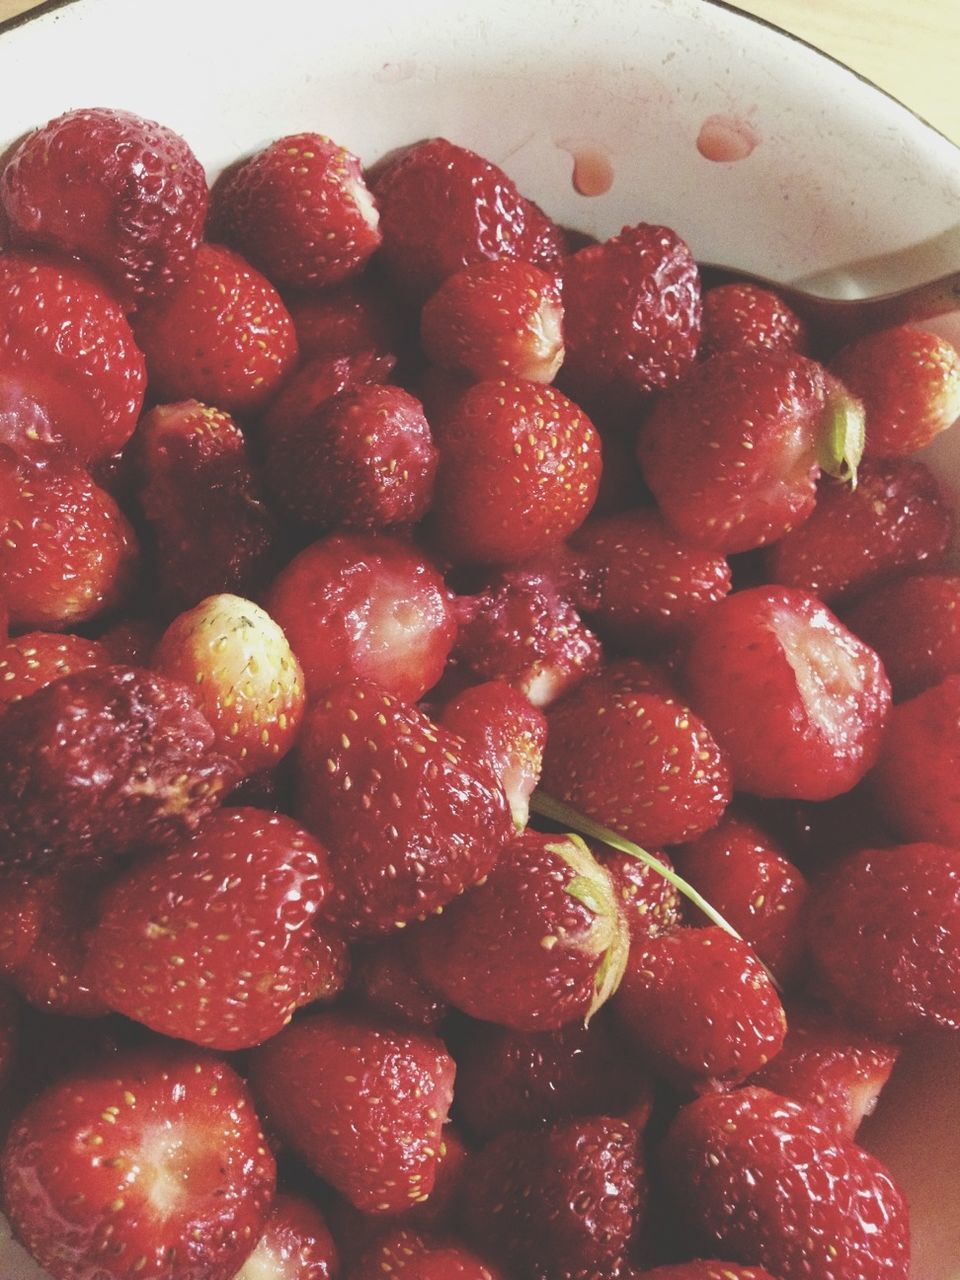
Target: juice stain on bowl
[724, 139]
[593, 171]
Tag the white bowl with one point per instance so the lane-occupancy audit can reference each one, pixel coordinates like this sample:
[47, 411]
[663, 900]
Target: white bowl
[836, 182]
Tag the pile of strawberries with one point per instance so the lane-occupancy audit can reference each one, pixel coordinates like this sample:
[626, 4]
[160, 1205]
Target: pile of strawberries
[337, 509]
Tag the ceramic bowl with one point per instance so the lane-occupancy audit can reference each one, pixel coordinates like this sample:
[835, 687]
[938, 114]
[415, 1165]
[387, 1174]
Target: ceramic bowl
[760, 151]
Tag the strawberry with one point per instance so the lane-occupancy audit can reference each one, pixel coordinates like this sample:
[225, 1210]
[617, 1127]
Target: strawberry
[244, 677]
[836, 1072]
[410, 813]
[207, 940]
[739, 317]
[632, 315]
[130, 641]
[151, 1165]
[651, 583]
[561, 1204]
[914, 782]
[909, 382]
[296, 1245]
[498, 319]
[318, 380]
[385, 981]
[884, 931]
[71, 373]
[731, 454]
[361, 1103]
[798, 702]
[221, 335]
[201, 498]
[747, 877]
[406, 1253]
[914, 625]
[356, 605]
[363, 459]
[66, 551]
[699, 1009]
[346, 320]
[525, 1080]
[896, 518]
[38, 658]
[639, 762]
[757, 1179]
[519, 470]
[539, 944]
[443, 208]
[125, 193]
[521, 628]
[101, 762]
[650, 902]
[705, 1270]
[21, 916]
[299, 210]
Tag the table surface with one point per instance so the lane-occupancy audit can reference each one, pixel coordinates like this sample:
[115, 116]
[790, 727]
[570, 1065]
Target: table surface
[909, 50]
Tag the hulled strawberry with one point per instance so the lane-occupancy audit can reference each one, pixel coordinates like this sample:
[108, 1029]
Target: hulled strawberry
[362, 1104]
[740, 317]
[360, 316]
[914, 625]
[296, 1244]
[317, 380]
[407, 1253]
[37, 658]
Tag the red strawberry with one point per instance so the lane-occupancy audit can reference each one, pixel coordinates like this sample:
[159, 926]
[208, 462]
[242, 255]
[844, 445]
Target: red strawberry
[836, 1072]
[909, 382]
[757, 1179]
[731, 454]
[207, 941]
[704, 1270]
[542, 942]
[884, 933]
[363, 459]
[651, 583]
[70, 370]
[914, 784]
[66, 551]
[443, 208]
[123, 192]
[632, 315]
[299, 210]
[130, 641]
[499, 319]
[519, 470]
[641, 763]
[318, 380]
[747, 877]
[562, 1204]
[411, 815]
[361, 1103]
[201, 498]
[101, 762]
[21, 916]
[406, 1253]
[347, 320]
[296, 1245]
[155, 1155]
[650, 902]
[221, 335]
[795, 698]
[38, 658]
[738, 317]
[914, 625]
[243, 674]
[896, 518]
[385, 980]
[368, 606]
[699, 1008]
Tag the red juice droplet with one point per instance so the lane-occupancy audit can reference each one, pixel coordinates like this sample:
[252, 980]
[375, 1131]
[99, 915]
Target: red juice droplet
[724, 139]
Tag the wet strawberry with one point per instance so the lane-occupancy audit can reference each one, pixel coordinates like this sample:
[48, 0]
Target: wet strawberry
[39, 657]
[201, 498]
[361, 1103]
[914, 625]
[410, 813]
[739, 317]
[758, 1180]
[103, 762]
[798, 702]
[67, 553]
[407, 1253]
[519, 470]
[500, 319]
[126, 194]
[650, 902]
[243, 675]
[155, 1155]
[356, 605]
[315, 382]
[542, 942]
[909, 382]
[385, 981]
[632, 315]
[347, 320]
[443, 208]
[896, 518]
[21, 916]
[296, 1245]
[704, 1270]
[221, 335]
[299, 211]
